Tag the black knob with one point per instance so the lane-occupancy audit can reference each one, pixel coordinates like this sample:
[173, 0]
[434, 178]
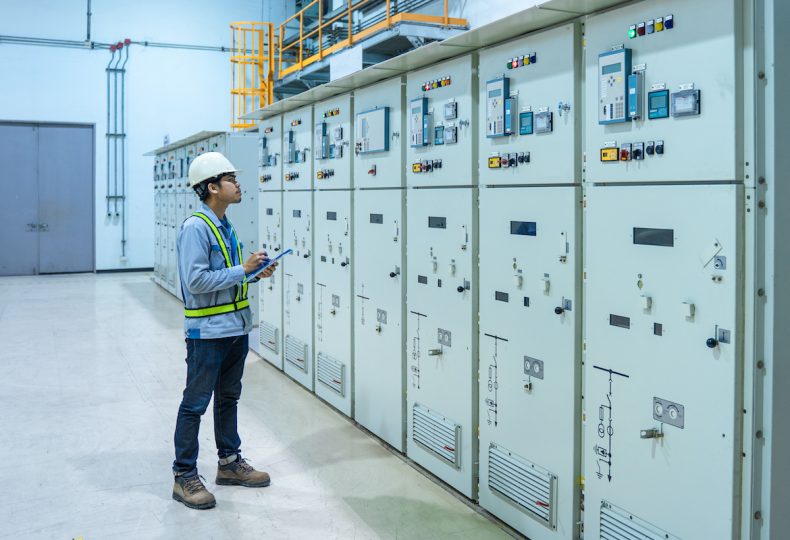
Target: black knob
[306, 255]
[276, 249]
[650, 150]
[558, 310]
[460, 288]
[344, 264]
[393, 274]
[659, 149]
[711, 343]
[637, 154]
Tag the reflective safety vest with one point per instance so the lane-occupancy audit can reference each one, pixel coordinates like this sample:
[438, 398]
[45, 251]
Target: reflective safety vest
[240, 302]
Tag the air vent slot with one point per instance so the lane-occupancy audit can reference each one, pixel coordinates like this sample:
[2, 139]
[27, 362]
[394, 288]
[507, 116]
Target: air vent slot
[618, 524]
[296, 352]
[437, 434]
[270, 337]
[524, 484]
[331, 373]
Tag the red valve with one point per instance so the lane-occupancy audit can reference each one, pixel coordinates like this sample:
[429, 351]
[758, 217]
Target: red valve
[127, 41]
[543, 504]
[448, 448]
[120, 45]
[112, 48]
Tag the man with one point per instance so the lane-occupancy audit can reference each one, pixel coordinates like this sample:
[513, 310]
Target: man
[217, 324]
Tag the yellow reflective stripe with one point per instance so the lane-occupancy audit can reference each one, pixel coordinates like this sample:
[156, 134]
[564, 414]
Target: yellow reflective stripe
[220, 241]
[217, 310]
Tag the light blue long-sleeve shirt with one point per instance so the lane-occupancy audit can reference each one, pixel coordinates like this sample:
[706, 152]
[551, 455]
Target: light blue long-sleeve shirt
[205, 279]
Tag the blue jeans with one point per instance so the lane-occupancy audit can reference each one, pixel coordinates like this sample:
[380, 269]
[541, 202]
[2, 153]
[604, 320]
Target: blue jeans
[213, 366]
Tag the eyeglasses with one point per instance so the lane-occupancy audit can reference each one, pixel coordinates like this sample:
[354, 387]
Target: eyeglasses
[230, 178]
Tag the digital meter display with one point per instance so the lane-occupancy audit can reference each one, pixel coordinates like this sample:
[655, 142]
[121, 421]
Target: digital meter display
[437, 222]
[495, 93]
[524, 228]
[654, 237]
[611, 68]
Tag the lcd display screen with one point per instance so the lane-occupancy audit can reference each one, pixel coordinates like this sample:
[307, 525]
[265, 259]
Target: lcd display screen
[611, 68]
[654, 237]
[437, 222]
[377, 218]
[524, 228]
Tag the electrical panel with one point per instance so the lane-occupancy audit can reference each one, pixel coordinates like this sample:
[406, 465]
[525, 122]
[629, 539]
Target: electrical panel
[530, 343]
[379, 314]
[382, 168]
[270, 233]
[644, 58]
[662, 309]
[297, 276]
[333, 122]
[270, 150]
[442, 134]
[441, 335]
[333, 302]
[539, 139]
[373, 131]
[270, 236]
[298, 148]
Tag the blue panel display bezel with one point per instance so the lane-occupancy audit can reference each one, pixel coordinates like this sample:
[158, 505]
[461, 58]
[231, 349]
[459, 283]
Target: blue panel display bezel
[659, 112]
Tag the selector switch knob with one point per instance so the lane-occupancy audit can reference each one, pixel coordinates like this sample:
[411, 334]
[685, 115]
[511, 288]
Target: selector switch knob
[650, 149]
[711, 343]
[660, 148]
[637, 154]
[558, 310]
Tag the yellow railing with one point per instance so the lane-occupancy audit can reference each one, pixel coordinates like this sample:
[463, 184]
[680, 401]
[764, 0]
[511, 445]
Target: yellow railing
[297, 48]
[252, 70]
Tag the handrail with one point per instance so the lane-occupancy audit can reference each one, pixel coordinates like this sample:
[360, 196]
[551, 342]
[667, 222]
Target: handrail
[296, 49]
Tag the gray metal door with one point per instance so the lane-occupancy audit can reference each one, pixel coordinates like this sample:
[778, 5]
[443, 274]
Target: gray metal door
[19, 201]
[66, 202]
[47, 208]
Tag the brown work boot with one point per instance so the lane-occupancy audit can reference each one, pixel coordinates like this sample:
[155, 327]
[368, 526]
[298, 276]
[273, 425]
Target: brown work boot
[241, 473]
[193, 493]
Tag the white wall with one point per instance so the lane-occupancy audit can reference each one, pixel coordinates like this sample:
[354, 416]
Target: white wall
[169, 91]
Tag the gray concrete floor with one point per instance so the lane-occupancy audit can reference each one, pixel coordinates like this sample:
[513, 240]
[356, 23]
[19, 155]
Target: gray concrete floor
[91, 374]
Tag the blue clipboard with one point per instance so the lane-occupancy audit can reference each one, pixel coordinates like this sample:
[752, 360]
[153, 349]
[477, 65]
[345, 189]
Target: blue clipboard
[270, 262]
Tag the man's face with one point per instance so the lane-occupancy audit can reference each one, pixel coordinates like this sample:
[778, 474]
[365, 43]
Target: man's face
[227, 189]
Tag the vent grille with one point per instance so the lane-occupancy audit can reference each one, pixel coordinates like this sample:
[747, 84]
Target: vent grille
[437, 434]
[331, 373]
[296, 352]
[270, 335]
[530, 487]
[618, 524]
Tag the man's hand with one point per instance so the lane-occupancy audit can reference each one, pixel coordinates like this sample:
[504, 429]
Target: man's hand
[268, 272]
[255, 261]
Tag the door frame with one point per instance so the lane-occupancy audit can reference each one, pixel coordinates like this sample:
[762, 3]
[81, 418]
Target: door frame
[92, 126]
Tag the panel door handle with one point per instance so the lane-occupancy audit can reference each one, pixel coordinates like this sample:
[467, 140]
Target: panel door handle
[43, 226]
[31, 227]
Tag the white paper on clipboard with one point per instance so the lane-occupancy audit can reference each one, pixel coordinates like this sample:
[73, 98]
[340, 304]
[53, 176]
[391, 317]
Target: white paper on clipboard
[252, 275]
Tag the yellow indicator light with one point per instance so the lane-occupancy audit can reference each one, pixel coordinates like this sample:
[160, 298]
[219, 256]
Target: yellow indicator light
[416, 167]
[609, 154]
[660, 24]
[494, 162]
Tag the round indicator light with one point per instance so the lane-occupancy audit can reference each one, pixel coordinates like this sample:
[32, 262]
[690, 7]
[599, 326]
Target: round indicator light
[631, 33]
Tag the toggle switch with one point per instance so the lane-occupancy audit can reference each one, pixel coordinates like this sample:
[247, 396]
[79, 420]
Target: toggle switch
[651, 433]
[646, 302]
[518, 280]
[452, 268]
[687, 310]
[546, 284]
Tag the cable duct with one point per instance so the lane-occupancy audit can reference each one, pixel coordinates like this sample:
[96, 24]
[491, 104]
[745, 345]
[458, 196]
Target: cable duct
[116, 136]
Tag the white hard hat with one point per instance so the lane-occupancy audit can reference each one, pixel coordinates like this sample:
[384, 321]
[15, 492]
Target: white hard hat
[209, 165]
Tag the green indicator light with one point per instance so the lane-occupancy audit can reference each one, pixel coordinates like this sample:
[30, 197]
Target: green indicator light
[632, 33]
